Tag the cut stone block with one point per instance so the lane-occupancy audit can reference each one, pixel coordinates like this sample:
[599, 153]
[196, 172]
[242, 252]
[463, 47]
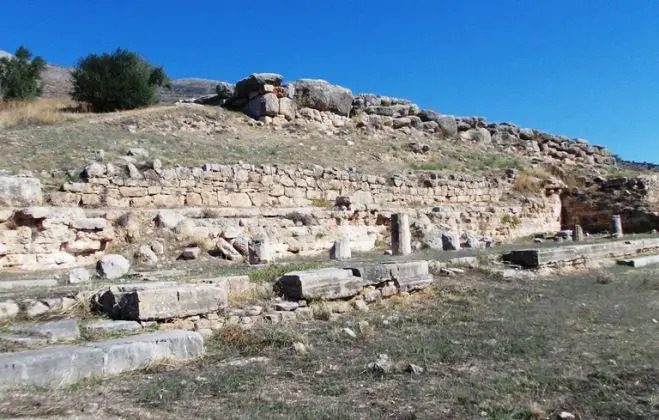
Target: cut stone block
[341, 250]
[547, 257]
[25, 284]
[55, 331]
[109, 326]
[233, 284]
[161, 303]
[325, 283]
[260, 251]
[57, 366]
[401, 238]
[407, 276]
[641, 261]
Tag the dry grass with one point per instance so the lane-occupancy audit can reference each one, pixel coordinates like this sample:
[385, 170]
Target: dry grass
[37, 112]
[527, 183]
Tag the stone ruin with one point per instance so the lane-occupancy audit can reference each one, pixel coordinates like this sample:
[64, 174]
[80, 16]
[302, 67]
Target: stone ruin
[264, 97]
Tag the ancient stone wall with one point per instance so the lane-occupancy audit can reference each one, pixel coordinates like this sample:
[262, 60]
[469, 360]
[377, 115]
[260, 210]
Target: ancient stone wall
[228, 204]
[635, 199]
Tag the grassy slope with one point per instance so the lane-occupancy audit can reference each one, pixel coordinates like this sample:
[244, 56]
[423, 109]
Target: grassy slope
[489, 349]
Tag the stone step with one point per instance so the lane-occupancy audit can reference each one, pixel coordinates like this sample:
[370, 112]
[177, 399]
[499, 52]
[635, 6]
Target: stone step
[640, 261]
[57, 366]
[26, 284]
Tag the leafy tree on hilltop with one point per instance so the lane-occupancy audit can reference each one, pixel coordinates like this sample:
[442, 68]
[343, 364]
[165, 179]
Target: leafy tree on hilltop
[117, 81]
[20, 77]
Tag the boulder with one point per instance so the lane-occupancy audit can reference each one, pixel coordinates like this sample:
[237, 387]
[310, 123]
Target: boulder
[287, 108]
[225, 90]
[113, 266]
[227, 251]
[255, 82]
[190, 253]
[323, 96]
[448, 125]
[263, 106]
[476, 135]
[8, 309]
[20, 191]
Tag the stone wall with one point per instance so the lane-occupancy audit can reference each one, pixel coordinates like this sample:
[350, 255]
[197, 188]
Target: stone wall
[247, 185]
[636, 200]
[297, 209]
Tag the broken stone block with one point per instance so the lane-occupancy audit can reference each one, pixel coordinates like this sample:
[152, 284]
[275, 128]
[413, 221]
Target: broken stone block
[259, 251]
[20, 191]
[8, 309]
[190, 253]
[616, 226]
[341, 250]
[78, 275]
[227, 250]
[451, 241]
[141, 303]
[113, 266]
[325, 283]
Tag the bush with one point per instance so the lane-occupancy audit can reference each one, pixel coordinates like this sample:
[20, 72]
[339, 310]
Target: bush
[117, 81]
[20, 78]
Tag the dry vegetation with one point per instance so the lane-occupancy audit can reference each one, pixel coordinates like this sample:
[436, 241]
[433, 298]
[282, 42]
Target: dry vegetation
[488, 349]
[21, 114]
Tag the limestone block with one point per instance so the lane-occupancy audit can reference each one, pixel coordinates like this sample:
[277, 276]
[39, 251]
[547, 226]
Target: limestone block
[161, 303]
[327, 283]
[20, 191]
[113, 266]
[341, 250]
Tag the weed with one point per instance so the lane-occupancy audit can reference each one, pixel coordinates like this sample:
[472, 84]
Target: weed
[511, 220]
[164, 391]
[322, 203]
[272, 272]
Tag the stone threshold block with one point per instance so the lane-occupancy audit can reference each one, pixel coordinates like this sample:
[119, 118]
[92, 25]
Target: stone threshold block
[57, 366]
[547, 257]
[159, 302]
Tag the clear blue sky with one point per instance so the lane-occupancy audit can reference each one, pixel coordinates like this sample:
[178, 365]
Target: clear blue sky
[583, 68]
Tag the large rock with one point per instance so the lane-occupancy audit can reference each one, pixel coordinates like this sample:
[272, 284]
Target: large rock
[323, 96]
[254, 83]
[113, 266]
[225, 90]
[153, 302]
[58, 366]
[20, 191]
[263, 106]
[325, 283]
[451, 241]
[79, 275]
[477, 135]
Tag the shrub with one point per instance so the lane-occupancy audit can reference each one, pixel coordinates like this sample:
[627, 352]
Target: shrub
[20, 78]
[117, 81]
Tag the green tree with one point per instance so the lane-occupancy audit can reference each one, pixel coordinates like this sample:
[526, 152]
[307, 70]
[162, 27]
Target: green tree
[20, 77]
[117, 81]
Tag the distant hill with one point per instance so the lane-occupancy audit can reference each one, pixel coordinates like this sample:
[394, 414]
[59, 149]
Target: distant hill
[57, 84]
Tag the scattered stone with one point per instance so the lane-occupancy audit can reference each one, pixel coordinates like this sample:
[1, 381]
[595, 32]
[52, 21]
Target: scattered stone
[451, 241]
[146, 255]
[190, 253]
[350, 332]
[360, 305]
[157, 247]
[382, 365]
[564, 415]
[33, 308]
[113, 266]
[227, 250]
[8, 309]
[537, 240]
[79, 275]
[286, 306]
[414, 369]
[300, 348]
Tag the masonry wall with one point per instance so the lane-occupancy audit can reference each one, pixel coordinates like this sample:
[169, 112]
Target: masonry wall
[113, 209]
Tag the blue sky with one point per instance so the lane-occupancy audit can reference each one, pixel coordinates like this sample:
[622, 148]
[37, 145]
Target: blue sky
[582, 68]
